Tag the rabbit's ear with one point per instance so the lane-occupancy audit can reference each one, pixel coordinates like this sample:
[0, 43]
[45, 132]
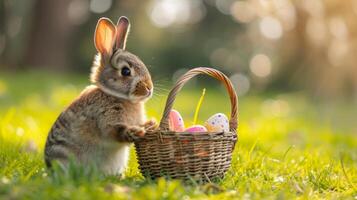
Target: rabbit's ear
[105, 36]
[123, 27]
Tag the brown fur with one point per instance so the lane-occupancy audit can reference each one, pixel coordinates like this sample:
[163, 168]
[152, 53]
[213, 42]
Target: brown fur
[93, 117]
[99, 125]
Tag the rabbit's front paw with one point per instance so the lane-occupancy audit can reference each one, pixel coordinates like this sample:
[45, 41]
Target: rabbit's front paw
[124, 133]
[150, 125]
[134, 133]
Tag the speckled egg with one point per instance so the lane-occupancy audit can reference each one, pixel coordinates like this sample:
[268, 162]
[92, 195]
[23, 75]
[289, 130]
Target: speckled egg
[217, 123]
[176, 121]
[196, 128]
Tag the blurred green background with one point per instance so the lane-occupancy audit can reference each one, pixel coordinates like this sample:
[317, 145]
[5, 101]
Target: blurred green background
[293, 64]
[264, 45]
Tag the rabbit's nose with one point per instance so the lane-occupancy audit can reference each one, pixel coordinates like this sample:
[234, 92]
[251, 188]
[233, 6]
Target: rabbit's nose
[143, 89]
[148, 90]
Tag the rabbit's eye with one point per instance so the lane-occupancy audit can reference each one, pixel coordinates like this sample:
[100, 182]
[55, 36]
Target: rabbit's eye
[125, 71]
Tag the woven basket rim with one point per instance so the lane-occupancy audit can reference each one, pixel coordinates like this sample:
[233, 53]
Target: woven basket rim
[197, 136]
[191, 133]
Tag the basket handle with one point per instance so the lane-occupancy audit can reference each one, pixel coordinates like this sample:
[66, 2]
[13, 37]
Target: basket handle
[233, 123]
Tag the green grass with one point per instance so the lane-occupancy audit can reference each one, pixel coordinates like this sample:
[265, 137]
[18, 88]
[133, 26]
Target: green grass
[289, 146]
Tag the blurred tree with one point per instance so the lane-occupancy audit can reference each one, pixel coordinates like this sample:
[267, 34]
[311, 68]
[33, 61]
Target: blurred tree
[50, 35]
[2, 30]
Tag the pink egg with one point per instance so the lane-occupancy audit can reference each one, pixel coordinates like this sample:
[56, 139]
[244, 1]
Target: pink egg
[175, 121]
[196, 128]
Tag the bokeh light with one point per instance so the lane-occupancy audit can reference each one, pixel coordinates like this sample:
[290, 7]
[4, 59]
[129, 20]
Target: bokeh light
[315, 8]
[338, 28]
[337, 52]
[100, 6]
[286, 13]
[165, 13]
[78, 11]
[243, 11]
[271, 28]
[260, 65]
[316, 31]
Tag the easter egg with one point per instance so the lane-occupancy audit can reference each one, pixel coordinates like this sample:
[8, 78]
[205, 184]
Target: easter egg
[217, 123]
[196, 128]
[175, 121]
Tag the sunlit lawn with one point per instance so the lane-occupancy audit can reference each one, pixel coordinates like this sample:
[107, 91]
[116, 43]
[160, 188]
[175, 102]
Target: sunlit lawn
[289, 146]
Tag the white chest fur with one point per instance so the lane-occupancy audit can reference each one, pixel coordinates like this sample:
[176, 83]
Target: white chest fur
[110, 157]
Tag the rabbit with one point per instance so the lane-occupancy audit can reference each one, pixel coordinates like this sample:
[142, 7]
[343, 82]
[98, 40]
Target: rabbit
[98, 127]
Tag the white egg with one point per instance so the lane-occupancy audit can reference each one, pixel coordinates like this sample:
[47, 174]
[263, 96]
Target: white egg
[217, 123]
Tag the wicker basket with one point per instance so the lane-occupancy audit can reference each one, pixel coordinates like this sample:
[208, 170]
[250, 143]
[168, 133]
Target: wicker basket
[198, 156]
